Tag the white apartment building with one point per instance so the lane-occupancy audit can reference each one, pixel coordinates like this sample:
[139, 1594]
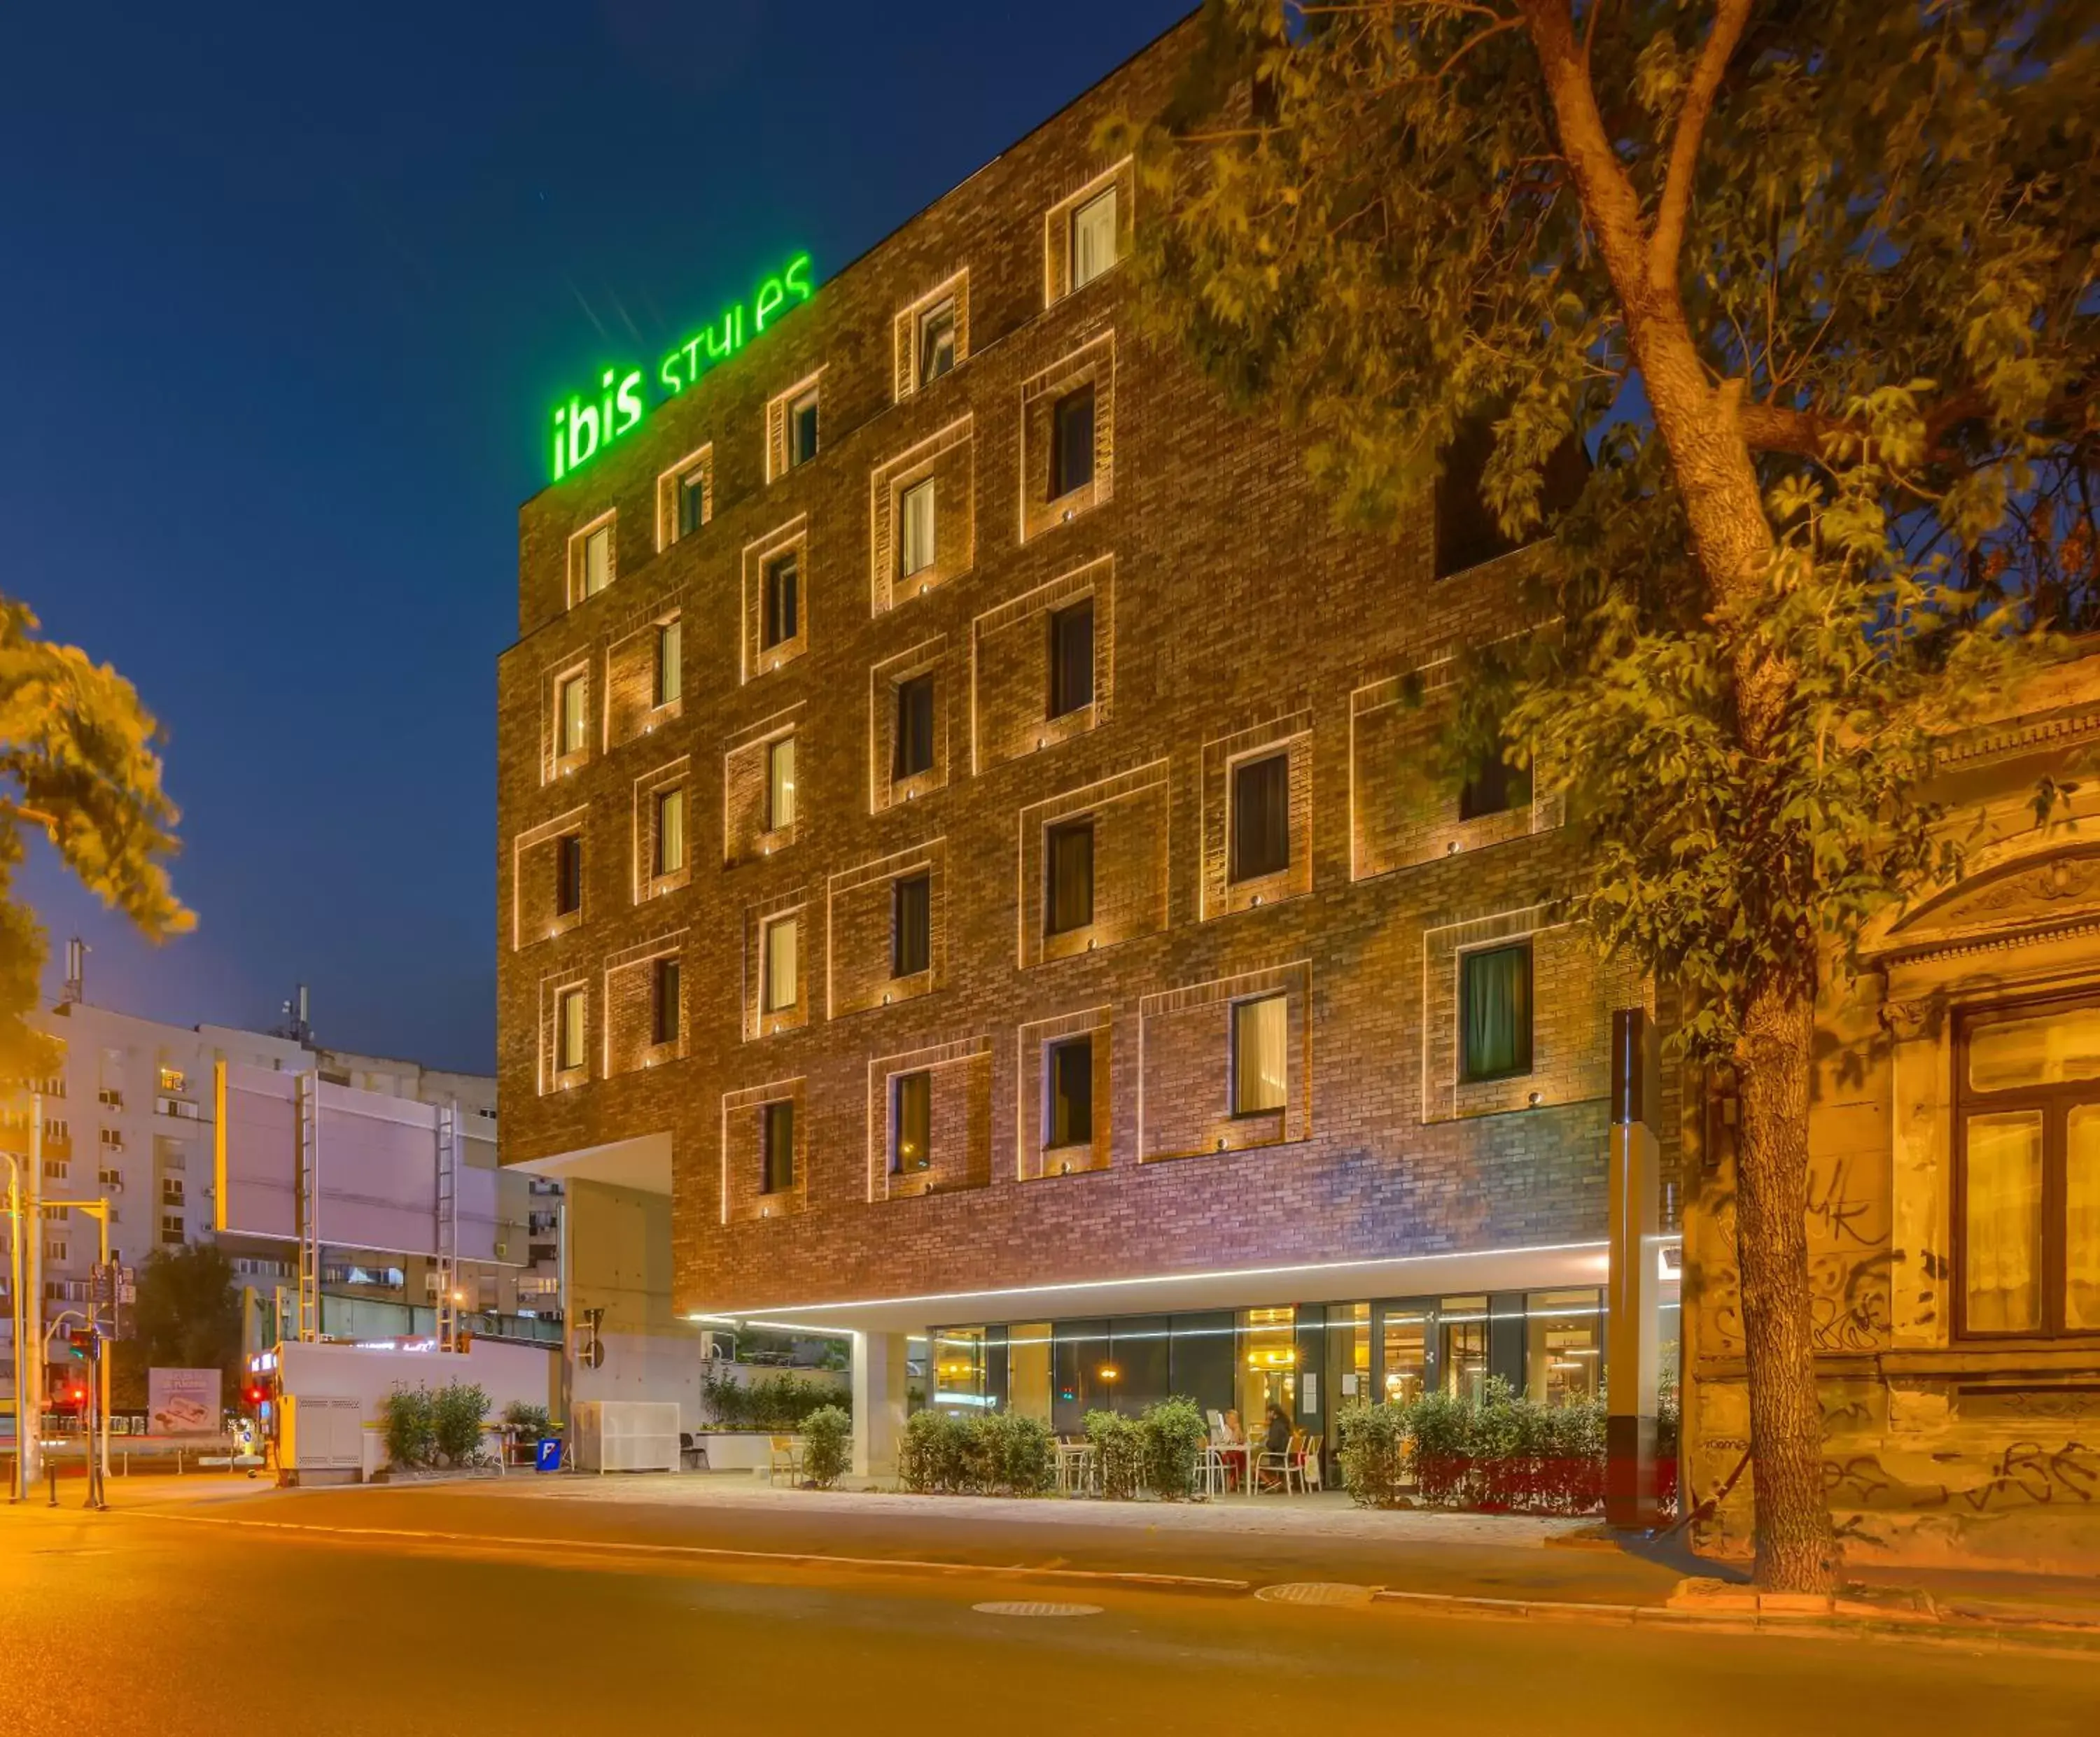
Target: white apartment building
[127, 1116]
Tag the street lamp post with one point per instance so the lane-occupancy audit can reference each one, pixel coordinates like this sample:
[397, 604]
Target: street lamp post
[18, 1324]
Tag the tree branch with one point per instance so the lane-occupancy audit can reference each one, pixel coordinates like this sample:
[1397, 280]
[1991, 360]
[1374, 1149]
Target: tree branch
[1729, 19]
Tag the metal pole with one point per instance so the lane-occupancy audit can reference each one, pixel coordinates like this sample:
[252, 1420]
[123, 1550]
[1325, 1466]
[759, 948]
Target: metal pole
[14, 1321]
[102, 1349]
[29, 1424]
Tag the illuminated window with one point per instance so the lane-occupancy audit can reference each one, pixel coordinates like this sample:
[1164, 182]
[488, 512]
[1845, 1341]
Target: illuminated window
[670, 663]
[1261, 816]
[1072, 659]
[1070, 1065]
[670, 831]
[913, 736]
[780, 784]
[173, 1079]
[910, 925]
[598, 560]
[916, 547]
[1094, 237]
[569, 1030]
[779, 988]
[776, 1142]
[912, 1122]
[1494, 1012]
[1072, 442]
[1261, 1032]
[664, 1003]
[781, 613]
[937, 340]
[571, 706]
[802, 428]
[1068, 858]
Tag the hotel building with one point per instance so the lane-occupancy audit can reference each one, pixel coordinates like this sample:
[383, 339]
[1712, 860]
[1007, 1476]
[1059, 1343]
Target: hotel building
[978, 872]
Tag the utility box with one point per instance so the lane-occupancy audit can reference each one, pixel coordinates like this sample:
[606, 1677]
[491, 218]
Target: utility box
[321, 1438]
[626, 1435]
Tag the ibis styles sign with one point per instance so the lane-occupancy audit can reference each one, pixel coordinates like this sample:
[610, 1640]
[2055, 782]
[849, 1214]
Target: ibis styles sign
[585, 426]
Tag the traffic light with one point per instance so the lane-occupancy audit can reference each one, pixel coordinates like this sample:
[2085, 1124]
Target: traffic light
[255, 1393]
[80, 1344]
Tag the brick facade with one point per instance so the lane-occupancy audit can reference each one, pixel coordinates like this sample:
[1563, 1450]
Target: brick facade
[1231, 614]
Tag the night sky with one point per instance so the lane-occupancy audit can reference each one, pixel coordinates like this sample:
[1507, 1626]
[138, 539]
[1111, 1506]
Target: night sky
[287, 292]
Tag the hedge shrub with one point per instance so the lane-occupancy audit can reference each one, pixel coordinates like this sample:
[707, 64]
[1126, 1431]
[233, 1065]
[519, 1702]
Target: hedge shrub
[827, 1445]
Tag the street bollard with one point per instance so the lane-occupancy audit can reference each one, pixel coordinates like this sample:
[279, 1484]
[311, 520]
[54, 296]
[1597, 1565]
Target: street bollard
[52, 1477]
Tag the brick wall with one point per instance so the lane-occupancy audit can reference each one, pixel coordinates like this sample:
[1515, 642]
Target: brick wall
[1228, 606]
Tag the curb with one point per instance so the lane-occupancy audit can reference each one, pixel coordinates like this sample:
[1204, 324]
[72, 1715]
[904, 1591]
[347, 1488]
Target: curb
[2052, 1640]
[1188, 1583]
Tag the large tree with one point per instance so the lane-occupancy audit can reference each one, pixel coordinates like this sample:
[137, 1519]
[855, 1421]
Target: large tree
[187, 1316]
[78, 764]
[1814, 281]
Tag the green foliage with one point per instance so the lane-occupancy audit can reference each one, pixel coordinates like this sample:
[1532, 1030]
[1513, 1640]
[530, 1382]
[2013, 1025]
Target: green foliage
[1175, 1435]
[456, 1415]
[1373, 1452]
[993, 1453]
[1377, 221]
[187, 1312]
[772, 1402]
[1500, 1452]
[1120, 1456]
[410, 1427]
[78, 762]
[827, 1445]
[531, 1422]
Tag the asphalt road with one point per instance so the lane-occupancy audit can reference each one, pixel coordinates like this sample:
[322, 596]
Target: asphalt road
[131, 1622]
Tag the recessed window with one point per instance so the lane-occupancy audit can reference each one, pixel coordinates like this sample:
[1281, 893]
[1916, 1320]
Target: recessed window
[572, 709]
[692, 495]
[1094, 237]
[1260, 1031]
[913, 736]
[937, 340]
[2029, 1178]
[664, 1002]
[670, 663]
[1494, 1012]
[911, 1123]
[1261, 816]
[1072, 442]
[1070, 1066]
[781, 612]
[780, 784]
[1068, 895]
[802, 428]
[915, 543]
[1495, 787]
[598, 560]
[569, 1030]
[776, 1132]
[670, 831]
[910, 925]
[568, 874]
[779, 986]
[1072, 658]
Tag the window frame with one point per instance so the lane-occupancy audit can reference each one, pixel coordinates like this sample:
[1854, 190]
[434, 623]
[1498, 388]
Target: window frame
[1072, 826]
[2055, 1103]
[662, 861]
[578, 683]
[690, 484]
[1053, 1095]
[780, 578]
[906, 710]
[1237, 872]
[775, 821]
[571, 995]
[924, 325]
[666, 991]
[1108, 195]
[928, 556]
[669, 677]
[569, 874]
[1059, 484]
[768, 976]
[920, 1081]
[1241, 1009]
[597, 535]
[1061, 704]
[1529, 1061]
[805, 402]
[1495, 781]
[776, 1142]
[899, 967]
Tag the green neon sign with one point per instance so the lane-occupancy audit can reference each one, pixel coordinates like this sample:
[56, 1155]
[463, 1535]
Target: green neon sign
[584, 427]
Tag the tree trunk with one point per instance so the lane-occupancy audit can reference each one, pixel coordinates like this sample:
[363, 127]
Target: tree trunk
[1797, 1549]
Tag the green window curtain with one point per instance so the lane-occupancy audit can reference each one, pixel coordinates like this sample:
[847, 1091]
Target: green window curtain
[1494, 1012]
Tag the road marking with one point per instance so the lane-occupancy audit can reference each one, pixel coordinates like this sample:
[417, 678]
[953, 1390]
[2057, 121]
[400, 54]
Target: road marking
[716, 1552]
[1339, 1593]
[1020, 1607]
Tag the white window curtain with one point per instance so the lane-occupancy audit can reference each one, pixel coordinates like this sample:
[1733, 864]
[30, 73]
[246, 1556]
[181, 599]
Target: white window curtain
[781, 986]
[598, 561]
[2002, 1247]
[573, 696]
[569, 1049]
[780, 785]
[670, 831]
[2081, 1221]
[917, 511]
[1093, 238]
[1260, 1037]
[670, 662]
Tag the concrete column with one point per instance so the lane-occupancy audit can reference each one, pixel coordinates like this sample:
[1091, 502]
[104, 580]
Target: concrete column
[1632, 1301]
[879, 1402]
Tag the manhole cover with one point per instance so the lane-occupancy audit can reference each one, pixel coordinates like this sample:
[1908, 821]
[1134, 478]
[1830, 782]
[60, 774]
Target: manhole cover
[1024, 1607]
[1317, 1592]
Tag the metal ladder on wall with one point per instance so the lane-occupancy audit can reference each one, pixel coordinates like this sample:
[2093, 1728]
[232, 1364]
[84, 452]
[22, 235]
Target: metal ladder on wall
[447, 1226]
[310, 1195]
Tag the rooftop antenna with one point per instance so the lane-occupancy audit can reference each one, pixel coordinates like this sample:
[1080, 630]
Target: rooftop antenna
[75, 987]
[296, 1027]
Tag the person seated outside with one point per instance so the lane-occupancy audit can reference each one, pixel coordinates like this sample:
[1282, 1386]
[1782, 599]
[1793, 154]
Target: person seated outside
[1276, 1439]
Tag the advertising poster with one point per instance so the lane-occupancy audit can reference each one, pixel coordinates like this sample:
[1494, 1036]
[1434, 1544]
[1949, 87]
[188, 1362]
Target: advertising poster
[181, 1402]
